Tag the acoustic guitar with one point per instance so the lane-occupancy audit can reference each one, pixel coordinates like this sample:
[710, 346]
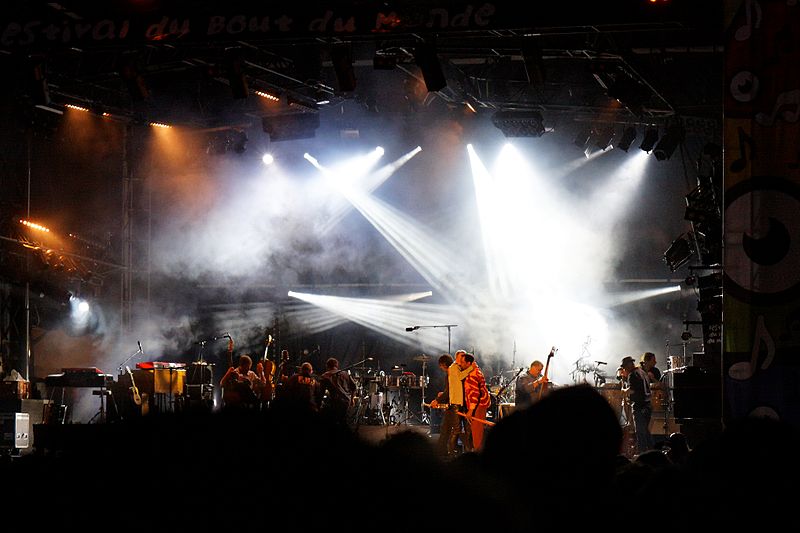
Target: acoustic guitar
[137, 398]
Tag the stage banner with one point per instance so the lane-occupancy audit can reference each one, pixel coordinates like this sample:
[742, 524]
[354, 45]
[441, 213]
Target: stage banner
[92, 23]
[761, 283]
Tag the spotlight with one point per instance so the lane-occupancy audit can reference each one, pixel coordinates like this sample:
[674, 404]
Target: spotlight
[628, 136]
[679, 252]
[603, 137]
[519, 123]
[582, 139]
[267, 159]
[667, 145]
[649, 140]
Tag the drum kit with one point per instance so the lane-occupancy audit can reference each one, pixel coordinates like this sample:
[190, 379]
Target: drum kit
[383, 398]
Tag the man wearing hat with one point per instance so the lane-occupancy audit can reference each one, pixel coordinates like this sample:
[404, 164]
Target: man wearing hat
[638, 388]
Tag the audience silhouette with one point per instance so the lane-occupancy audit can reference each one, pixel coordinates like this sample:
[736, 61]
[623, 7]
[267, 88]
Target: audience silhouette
[556, 463]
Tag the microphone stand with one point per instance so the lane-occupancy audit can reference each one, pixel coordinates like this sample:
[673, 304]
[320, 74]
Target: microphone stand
[448, 326]
[131, 356]
[503, 389]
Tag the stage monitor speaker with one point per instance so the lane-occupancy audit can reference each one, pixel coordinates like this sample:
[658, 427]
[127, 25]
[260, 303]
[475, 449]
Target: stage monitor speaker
[15, 430]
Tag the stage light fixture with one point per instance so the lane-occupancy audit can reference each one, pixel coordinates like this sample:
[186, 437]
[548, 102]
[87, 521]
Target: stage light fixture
[268, 96]
[669, 142]
[679, 252]
[628, 136]
[650, 139]
[428, 62]
[603, 137]
[267, 159]
[76, 107]
[524, 123]
[582, 138]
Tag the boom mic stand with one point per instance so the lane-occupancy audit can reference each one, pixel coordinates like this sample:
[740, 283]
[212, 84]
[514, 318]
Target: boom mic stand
[448, 326]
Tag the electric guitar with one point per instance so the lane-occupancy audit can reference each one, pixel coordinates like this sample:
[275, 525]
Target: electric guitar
[464, 415]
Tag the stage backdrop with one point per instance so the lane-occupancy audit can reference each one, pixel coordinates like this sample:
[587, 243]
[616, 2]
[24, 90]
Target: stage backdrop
[762, 211]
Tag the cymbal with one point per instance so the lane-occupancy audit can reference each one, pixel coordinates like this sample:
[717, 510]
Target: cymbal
[423, 358]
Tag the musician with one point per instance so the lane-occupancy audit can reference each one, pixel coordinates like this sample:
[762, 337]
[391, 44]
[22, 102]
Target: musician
[648, 362]
[529, 385]
[339, 388]
[452, 424]
[239, 383]
[658, 389]
[476, 396]
[637, 387]
[302, 391]
[283, 372]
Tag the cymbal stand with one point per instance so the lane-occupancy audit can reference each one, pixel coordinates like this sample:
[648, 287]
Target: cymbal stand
[424, 417]
[404, 394]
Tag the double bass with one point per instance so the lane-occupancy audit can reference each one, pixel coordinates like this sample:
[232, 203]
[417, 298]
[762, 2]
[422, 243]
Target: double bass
[545, 382]
[266, 391]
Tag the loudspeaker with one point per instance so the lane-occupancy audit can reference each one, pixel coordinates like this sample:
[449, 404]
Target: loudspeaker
[697, 393]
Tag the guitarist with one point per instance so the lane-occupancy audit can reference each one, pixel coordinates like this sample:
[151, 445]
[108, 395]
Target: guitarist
[529, 385]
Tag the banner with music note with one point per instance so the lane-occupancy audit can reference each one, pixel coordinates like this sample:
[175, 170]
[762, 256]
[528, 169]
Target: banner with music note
[761, 279]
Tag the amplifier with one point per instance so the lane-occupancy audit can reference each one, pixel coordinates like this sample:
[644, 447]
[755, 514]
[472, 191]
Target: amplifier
[15, 430]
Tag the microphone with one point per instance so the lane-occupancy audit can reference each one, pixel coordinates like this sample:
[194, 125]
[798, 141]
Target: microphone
[140, 346]
[601, 362]
[412, 328]
[370, 358]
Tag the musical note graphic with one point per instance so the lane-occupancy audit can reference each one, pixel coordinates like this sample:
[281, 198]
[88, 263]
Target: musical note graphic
[746, 30]
[762, 335]
[745, 141]
[787, 104]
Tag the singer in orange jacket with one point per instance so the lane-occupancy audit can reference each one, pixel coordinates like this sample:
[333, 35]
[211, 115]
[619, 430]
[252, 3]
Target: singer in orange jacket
[477, 400]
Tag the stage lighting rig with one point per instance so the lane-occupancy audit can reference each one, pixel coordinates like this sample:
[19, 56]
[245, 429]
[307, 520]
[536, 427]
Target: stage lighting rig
[525, 123]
